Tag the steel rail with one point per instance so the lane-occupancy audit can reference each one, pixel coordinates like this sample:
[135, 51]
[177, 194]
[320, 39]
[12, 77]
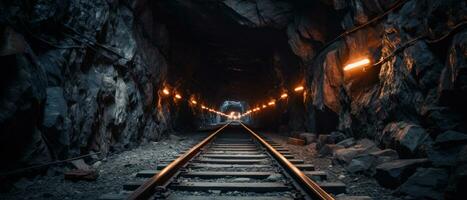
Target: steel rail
[309, 185]
[147, 189]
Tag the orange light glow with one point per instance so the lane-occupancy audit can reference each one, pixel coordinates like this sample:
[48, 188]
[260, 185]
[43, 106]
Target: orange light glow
[299, 88]
[194, 102]
[272, 103]
[166, 91]
[203, 107]
[360, 63]
[283, 96]
[178, 96]
[264, 106]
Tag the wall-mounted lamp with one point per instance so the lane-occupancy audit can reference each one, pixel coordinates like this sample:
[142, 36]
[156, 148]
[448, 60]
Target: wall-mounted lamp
[357, 64]
[299, 88]
[165, 91]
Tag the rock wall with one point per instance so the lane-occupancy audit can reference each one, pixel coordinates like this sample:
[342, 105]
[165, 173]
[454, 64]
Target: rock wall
[79, 76]
[418, 51]
[409, 100]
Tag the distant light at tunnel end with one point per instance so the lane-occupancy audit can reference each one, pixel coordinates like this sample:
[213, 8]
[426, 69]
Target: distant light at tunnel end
[359, 63]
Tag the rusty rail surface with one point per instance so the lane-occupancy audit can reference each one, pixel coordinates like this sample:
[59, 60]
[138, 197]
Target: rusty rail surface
[146, 190]
[312, 188]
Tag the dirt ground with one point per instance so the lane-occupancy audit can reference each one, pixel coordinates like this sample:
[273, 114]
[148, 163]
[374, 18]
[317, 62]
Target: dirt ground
[113, 171]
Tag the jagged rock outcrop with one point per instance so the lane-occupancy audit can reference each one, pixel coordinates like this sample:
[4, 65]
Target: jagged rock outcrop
[83, 75]
[411, 96]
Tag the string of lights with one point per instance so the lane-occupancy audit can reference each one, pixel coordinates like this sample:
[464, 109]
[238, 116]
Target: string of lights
[271, 103]
[178, 97]
[360, 63]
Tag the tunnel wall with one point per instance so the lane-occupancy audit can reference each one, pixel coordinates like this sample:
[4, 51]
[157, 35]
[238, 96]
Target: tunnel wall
[410, 86]
[80, 76]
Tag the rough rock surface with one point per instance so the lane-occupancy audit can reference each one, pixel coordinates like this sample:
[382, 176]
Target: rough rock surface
[394, 173]
[81, 76]
[407, 139]
[357, 184]
[426, 183]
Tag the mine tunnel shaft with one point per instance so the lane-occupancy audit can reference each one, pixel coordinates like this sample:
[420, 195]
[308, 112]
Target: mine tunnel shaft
[299, 99]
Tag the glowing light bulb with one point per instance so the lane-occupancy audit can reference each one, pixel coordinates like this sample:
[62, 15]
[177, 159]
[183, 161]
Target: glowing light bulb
[283, 96]
[194, 102]
[299, 88]
[166, 91]
[178, 96]
[360, 63]
[272, 102]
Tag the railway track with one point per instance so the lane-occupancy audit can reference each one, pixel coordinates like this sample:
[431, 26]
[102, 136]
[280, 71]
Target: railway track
[232, 163]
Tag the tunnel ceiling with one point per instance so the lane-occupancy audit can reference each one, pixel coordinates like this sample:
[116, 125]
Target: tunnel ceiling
[226, 51]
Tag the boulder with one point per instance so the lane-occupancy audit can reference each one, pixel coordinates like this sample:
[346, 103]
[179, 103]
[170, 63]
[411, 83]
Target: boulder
[347, 154]
[337, 136]
[363, 146]
[361, 163]
[295, 141]
[324, 139]
[367, 144]
[329, 149]
[443, 156]
[458, 179]
[367, 162]
[385, 155]
[394, 173]
[449, 138]
[426, 183]
[347, 142]
[308, 137]
[446, 148]
[407, 139]
[80, 174]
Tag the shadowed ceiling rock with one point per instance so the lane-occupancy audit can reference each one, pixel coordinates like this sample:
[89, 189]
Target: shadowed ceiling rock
[261, 13]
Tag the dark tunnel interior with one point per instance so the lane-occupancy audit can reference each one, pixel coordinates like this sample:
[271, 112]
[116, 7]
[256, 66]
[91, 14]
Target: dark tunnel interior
[370, 91]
